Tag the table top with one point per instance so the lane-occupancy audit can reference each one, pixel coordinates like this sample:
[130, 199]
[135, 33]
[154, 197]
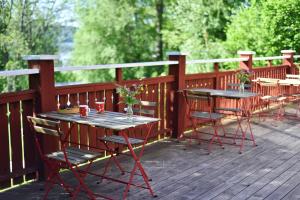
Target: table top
[295, 82]
[292, 82]
[112, 120]
[225, 93]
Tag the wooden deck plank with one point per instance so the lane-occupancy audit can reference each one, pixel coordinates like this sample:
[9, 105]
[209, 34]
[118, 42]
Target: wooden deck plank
[228, 193]
[285, 188]
[280, 180]
[238, 187]
[294, 194]
[205, 170]
[249, 191]
[227, 175]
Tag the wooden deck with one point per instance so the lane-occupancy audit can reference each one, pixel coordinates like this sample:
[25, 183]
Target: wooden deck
[269, 171]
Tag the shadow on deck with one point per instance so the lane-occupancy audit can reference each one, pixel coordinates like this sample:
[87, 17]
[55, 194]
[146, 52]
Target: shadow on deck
[269, 171]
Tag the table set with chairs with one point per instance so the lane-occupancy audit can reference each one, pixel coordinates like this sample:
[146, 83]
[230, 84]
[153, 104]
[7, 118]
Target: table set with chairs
[262, 97]
[204, 106]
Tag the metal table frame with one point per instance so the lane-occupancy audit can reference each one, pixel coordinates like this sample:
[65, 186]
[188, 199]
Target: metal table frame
[246, 112]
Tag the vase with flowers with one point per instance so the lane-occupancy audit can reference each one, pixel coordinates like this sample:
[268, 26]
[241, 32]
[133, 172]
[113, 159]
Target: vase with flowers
[244, 77]
[128, 95]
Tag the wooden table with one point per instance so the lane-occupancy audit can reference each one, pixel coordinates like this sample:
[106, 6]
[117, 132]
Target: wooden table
[291, 83]
[284, 82]
[225, 93]
[120, 123]
[111, 120]
[230, 94]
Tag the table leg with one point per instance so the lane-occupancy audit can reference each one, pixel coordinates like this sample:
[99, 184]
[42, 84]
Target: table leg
[137, 164]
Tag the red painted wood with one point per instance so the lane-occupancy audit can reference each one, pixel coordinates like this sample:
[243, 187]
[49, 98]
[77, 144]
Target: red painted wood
[169, 106]
[108, 100]
[4, 156]
[16, 140]
[83, 129]
[84, 88]
[92, 97]
[30, 153]
[45, 101]
[17, 96]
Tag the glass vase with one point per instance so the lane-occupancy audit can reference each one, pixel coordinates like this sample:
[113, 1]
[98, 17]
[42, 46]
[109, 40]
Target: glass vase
[129, 112]
[242, 87]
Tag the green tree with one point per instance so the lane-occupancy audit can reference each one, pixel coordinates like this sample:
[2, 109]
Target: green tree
[26, 27]
[265, 27]
[117, 31]
[197, 27]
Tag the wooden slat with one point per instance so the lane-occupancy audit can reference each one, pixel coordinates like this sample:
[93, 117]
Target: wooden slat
[138, 111]
[4, 143]
[74, 138]
[44, 122]
[162, 114]
[30, 152]
[46, 131]
[169, 107]
[111, 120]
[71, 89]
[17, 96]
[149, 103]
[16, 139]
[83, 129]
[108, 101]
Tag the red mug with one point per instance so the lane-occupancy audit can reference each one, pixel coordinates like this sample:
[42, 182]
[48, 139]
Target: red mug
[84, 110]
[100, 106]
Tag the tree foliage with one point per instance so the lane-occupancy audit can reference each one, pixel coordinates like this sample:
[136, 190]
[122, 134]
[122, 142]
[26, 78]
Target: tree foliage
[116, 31]
[122, 31]
[139, 30]
[266, 27]
[26, 27]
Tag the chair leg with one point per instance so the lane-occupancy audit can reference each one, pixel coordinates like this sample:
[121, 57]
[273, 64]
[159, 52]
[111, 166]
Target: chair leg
[251, 133]
[137, 165]
[215, 127]
[82, 175]
[82, 185]
[112, 157]
[239, 120]
[47, 190]
[53, 177]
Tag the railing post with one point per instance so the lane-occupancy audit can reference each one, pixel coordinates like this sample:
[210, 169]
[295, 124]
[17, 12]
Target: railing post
[289, 61]
[216, 71]
[177, 101]
[247, 65]
[44, 84]
[119, 79]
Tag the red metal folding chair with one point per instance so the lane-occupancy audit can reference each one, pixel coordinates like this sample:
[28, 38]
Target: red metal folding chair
[67, 158]
[294, 91]
[129, 142]
[237, 109]
[272, 93]
[150, 109]
[199, 111]
[242, 111]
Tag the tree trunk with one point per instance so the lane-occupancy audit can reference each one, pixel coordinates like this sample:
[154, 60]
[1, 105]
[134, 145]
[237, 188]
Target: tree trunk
[159, 11]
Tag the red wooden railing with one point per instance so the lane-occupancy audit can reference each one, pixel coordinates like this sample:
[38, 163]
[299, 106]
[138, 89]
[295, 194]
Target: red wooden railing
[17, 149]
[18, 158]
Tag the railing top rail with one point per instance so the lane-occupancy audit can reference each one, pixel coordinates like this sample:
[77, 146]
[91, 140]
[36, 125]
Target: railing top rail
[19, 72]
[270, 58]
[216, 60]
[113, 66]
[296, 56]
